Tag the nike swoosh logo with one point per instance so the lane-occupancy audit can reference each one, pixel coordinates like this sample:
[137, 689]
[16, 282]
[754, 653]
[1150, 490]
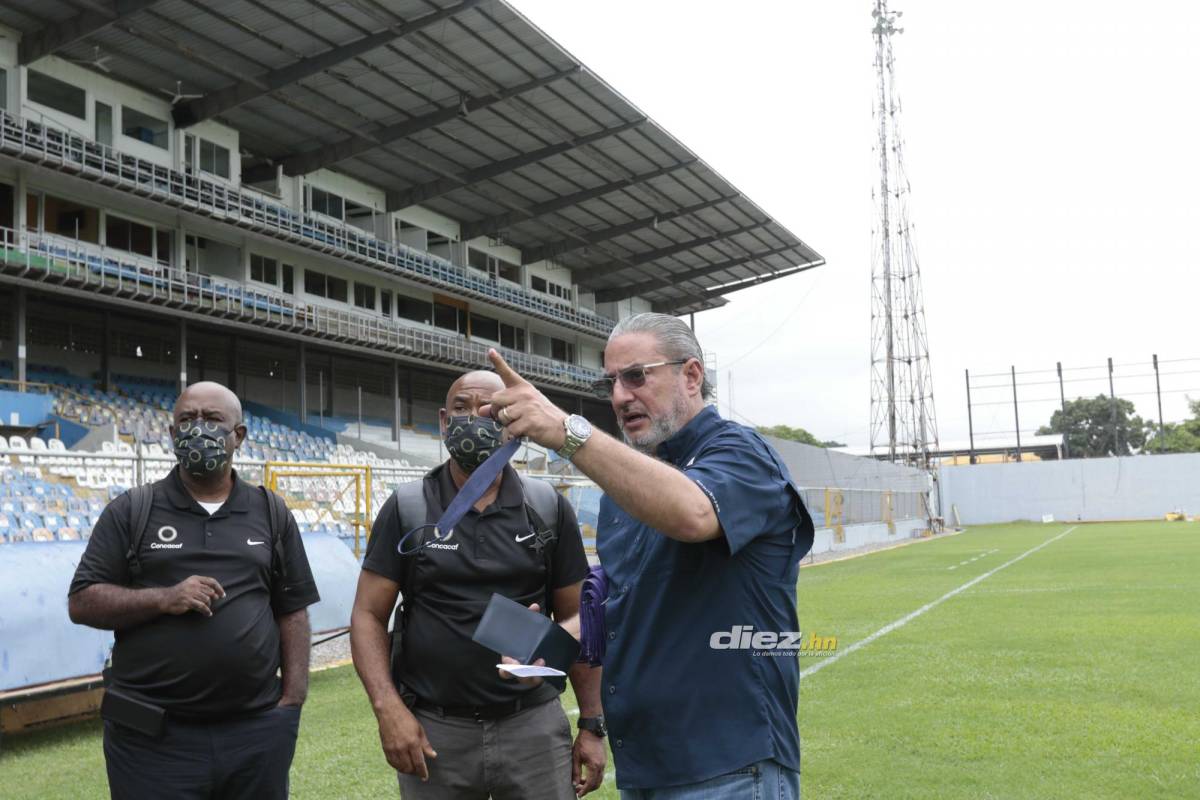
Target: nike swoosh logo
[523, 538]
[251, 541]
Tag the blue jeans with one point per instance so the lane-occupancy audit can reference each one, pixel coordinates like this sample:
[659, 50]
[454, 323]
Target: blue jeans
[766, 780]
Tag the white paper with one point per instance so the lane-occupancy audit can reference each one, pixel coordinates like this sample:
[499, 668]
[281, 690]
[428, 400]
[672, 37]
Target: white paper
[530, 671]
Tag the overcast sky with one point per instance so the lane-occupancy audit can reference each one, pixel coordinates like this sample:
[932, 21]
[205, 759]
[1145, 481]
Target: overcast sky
[1052, 153]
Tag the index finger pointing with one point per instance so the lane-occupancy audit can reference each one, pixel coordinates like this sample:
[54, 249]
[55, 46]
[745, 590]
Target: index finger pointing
[506, 373]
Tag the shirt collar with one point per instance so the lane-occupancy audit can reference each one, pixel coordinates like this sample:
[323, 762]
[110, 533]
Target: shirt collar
[179, 496]
[687, 438]
[511, 493]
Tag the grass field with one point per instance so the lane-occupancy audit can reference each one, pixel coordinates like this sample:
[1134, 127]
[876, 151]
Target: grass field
[1073, 672]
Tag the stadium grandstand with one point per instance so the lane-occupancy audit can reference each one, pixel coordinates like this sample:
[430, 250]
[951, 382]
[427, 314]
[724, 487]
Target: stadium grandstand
[334, 208]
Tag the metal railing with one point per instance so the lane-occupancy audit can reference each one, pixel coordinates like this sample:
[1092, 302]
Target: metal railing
[57, 259]
[249, 209]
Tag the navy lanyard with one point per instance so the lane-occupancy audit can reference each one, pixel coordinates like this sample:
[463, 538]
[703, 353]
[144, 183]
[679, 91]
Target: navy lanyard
[467, 496]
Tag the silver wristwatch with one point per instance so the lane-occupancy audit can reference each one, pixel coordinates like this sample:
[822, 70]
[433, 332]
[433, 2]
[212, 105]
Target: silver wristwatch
[579, 430]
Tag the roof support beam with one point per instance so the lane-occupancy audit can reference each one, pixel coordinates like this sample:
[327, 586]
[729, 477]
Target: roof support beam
[678, 305]
[52, 39]
[635, 289]
[234, 95]
[436, 188]
[489, 225]
[589, 274]
[313, 160]
[562, 246]
[718, 292]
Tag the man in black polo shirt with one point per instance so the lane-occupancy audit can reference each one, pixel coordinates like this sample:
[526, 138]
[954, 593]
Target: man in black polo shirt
[204, 615]
[448, 723]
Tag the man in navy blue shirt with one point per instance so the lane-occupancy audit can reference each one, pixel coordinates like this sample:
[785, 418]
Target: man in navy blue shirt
[701, 531]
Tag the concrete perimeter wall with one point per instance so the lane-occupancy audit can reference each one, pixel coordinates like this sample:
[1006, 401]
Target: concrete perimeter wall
[1136, 487]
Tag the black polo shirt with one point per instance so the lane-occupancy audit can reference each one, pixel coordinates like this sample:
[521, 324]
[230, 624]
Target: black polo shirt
[195, 666]
[493, 551]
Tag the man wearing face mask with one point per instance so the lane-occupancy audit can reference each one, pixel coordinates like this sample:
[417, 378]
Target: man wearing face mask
[448, 723]
[206, 584]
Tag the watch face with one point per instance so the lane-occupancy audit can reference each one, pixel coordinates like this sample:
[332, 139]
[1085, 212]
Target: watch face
[579, 426]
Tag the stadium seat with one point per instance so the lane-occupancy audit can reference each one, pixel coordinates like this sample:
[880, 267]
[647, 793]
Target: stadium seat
[42, 535]
[37, 444]
[68, 534]
[17, 444]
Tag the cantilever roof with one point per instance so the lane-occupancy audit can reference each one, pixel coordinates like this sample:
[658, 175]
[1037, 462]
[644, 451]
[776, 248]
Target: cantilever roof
[462, 106]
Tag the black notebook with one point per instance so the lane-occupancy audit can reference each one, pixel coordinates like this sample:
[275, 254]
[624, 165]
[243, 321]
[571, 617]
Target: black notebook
[511, 629]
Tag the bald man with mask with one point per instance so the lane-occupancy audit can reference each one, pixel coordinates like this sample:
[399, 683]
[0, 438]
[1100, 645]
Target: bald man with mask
[207, 608]
[449, 724]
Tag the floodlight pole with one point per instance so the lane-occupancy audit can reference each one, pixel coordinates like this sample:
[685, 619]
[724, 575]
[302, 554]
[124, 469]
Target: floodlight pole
[1016, 413]
[903, 419]
[1112, 401]
[1162, 438]
[970, 422]
[1062, 399]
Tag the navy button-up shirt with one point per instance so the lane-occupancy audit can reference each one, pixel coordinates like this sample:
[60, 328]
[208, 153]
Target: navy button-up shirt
[688, 694]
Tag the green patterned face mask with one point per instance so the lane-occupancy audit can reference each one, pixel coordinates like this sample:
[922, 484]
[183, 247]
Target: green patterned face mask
[201, 447]
[471, 439]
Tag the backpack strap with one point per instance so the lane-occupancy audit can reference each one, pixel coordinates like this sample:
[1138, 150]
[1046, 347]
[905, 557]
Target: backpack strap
[412, 511]
[541, 504]
[141, 499]
[277, 520]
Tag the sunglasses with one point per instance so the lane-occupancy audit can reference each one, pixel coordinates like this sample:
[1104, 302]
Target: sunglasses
[631, 378]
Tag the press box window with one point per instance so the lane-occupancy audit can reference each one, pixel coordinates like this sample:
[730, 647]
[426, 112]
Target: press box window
[124, 234]
[323, 285]
[512, 337]
[143, 127]
[485, 327]
[214, 158]
[326, 203]
[412, 309]
[385, 303]
[562, 351]
[56, 94]
[364, 296]
[263, 269]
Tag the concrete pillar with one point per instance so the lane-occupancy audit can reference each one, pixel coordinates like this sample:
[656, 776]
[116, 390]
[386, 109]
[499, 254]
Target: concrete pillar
[232, 384]
[397, 406]
[20, 203]
[302, 381]
[183, 355]
[408, 396]
[106, 382]
[331, 387]
[20, 335]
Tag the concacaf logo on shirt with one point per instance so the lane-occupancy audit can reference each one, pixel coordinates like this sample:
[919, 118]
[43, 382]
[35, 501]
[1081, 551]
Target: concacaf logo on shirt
[166, 535]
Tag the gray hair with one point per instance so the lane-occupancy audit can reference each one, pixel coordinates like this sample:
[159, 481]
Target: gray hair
[675, 339]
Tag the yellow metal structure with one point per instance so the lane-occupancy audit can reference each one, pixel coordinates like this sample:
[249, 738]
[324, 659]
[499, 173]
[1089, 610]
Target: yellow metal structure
[357, 478]
[835, 514]
[888, 512]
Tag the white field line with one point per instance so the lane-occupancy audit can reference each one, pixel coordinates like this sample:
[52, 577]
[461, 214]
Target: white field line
[969, 560]
[886, 629]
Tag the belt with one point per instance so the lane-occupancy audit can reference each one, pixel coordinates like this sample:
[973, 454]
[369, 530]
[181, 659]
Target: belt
[483, 713]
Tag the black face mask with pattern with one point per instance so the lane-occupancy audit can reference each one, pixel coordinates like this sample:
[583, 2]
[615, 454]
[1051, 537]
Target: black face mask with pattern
[201, 447]
[471, 439]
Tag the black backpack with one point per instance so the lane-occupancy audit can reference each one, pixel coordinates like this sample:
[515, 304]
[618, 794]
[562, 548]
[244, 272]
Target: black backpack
[141, 498]
[541, 503]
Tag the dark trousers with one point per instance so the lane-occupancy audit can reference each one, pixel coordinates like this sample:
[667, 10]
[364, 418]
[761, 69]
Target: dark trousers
[525, 756]
[243, 759]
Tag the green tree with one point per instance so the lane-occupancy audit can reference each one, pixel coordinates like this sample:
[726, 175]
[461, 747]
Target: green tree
[796, 435]
[1087, 427]
[1178, 437]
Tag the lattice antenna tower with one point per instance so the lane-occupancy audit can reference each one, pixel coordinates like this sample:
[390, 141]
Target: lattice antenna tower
[903, 423]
